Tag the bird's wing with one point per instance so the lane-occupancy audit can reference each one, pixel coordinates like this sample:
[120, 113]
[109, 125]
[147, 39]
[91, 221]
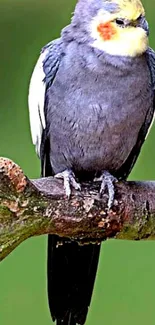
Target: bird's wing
[126, 168]
[69, 295]
[42, 76]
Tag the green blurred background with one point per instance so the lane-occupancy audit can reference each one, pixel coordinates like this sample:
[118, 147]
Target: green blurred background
[125, 288]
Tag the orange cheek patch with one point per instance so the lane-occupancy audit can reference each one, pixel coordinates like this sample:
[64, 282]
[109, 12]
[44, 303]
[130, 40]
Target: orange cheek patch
[106, 31]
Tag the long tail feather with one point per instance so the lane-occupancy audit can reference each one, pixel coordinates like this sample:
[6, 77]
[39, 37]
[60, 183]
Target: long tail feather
[71, 275]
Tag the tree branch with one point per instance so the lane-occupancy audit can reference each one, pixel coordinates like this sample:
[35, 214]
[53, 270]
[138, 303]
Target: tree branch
[36, 207]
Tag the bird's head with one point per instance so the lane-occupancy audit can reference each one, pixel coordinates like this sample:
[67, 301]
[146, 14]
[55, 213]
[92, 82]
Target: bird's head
[117, 27]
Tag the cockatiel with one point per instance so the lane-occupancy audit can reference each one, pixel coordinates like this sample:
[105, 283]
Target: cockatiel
[91, 103]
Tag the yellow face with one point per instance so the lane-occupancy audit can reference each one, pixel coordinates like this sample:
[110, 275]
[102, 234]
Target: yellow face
[120, 32]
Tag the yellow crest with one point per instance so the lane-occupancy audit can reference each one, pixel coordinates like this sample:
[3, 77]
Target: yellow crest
[130, 9]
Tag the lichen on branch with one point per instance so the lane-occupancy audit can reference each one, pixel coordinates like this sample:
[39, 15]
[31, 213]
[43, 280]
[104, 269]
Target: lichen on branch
[35, 207]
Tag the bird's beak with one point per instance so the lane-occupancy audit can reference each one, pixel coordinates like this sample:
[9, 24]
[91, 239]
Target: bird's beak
[144, 24]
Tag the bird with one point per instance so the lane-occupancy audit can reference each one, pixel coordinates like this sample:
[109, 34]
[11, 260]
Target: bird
[91, 105]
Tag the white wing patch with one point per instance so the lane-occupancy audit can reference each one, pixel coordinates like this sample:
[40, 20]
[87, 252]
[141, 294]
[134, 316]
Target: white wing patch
[36, 100]
[150, 127]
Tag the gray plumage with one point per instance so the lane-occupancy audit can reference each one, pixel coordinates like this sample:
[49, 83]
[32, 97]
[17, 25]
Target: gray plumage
[93, 120]
[90, 126]
[98, 109]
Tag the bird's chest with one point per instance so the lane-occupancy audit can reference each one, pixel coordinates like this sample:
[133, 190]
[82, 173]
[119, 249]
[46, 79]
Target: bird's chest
[97, 116]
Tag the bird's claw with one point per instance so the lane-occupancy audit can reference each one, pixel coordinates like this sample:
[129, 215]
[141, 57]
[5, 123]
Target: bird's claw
[108, 181]
[69, 180]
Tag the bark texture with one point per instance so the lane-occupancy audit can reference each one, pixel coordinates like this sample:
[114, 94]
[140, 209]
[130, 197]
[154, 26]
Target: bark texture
[35, 207]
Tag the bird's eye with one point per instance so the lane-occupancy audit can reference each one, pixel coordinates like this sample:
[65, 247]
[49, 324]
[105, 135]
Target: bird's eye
[120, 22]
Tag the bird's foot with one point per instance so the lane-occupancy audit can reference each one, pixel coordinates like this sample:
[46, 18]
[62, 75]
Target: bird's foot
[107, 182]
[69, 180]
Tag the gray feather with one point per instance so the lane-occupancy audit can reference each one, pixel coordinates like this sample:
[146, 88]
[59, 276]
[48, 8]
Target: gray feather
[93, 118]
[98, 109]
